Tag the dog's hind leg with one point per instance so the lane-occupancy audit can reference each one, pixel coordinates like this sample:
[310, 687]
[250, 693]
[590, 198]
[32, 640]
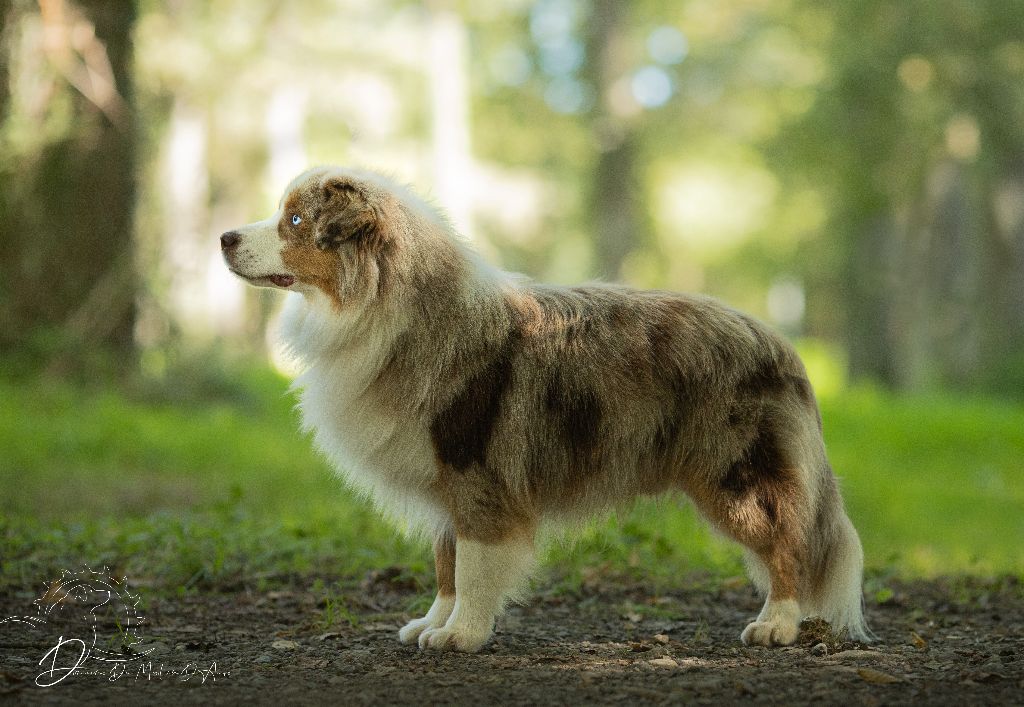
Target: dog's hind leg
[761, 500]
[444, 602]
[778, 622]
[487, 574]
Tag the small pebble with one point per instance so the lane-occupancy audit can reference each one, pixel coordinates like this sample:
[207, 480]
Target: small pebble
[664, 662]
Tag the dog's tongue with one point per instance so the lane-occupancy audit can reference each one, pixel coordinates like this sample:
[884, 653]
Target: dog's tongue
[282, 280]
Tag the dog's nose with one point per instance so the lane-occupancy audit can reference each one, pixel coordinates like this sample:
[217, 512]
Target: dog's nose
[229, 240]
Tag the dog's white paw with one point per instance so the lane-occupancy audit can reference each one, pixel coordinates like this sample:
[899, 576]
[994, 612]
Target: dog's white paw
[770, 633]
[415, 628]
[436, 617]
[454, 638]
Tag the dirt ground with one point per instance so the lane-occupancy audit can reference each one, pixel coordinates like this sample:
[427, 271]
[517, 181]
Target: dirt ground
[942, 642]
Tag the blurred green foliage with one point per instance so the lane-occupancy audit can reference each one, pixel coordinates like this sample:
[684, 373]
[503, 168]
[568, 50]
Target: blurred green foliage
[223, 492]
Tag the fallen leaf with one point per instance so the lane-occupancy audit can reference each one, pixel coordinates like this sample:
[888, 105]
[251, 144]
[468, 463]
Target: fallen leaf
[919, 642]
[876, 676]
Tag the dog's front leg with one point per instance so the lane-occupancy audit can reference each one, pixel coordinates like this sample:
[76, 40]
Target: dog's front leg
[486, 575]
[444, 602]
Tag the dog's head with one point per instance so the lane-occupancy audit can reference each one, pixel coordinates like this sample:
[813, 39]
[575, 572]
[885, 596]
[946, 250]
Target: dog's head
[328, 235]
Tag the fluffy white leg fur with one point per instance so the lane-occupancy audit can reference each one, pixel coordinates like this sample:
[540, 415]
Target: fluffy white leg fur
[840, 600]
[435, 617]
[486, 575]
[777, 625]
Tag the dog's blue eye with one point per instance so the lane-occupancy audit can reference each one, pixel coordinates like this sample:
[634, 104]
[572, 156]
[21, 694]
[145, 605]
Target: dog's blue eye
[296, 220]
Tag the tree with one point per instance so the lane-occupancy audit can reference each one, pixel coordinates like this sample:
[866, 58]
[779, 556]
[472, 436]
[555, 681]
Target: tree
[68, 180]
[914, 139]
[614, 194]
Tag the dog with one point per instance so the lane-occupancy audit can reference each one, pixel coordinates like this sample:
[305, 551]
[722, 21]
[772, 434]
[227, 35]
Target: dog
[480, 408]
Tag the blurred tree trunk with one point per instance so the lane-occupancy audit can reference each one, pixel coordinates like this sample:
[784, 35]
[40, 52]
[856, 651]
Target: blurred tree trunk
[67, 227]
[939, 298]
[867, 277]
[613, 197]
[1001, 313]
[957, 288]
[6, 18]
[929, 171]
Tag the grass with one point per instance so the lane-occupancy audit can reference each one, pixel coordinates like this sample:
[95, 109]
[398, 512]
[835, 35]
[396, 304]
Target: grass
[223, 492]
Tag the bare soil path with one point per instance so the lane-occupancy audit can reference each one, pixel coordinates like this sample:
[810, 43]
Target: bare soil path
[942, 642]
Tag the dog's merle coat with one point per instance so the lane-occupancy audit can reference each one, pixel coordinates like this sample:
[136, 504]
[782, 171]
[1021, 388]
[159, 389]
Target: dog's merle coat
[478, 406]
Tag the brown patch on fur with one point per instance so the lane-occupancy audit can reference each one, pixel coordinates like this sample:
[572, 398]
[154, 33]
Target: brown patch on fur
[480, 506]
[566, 450]
[525, 531]
[315, 267]
[576, 412]
[469, 483]
[462, 430]
[760, 476]
[662, 360]
[300, 255]
[444, 563]
[759, 500]
[783, 568]
[348, 215]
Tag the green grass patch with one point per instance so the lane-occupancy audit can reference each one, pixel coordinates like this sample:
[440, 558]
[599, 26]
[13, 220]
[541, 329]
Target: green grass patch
[224, 492]
[934, 484]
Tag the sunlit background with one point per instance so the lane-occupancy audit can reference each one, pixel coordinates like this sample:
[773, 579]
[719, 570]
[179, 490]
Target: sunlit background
[851, 172]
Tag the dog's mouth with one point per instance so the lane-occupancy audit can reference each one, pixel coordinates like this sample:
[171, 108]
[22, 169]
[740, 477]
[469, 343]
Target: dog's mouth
[283, 281]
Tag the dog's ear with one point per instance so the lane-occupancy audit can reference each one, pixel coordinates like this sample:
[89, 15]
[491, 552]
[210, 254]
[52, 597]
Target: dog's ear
[347, 214]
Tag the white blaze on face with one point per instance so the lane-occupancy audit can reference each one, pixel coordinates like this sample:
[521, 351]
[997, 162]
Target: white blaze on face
[259, 250]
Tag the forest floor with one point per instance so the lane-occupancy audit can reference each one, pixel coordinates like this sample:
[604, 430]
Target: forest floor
[946, 641]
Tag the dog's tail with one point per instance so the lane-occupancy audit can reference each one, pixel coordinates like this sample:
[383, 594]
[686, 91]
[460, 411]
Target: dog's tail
[835, 565]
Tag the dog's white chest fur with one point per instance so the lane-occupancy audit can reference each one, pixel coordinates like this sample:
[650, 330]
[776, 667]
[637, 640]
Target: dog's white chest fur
[388, 459]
